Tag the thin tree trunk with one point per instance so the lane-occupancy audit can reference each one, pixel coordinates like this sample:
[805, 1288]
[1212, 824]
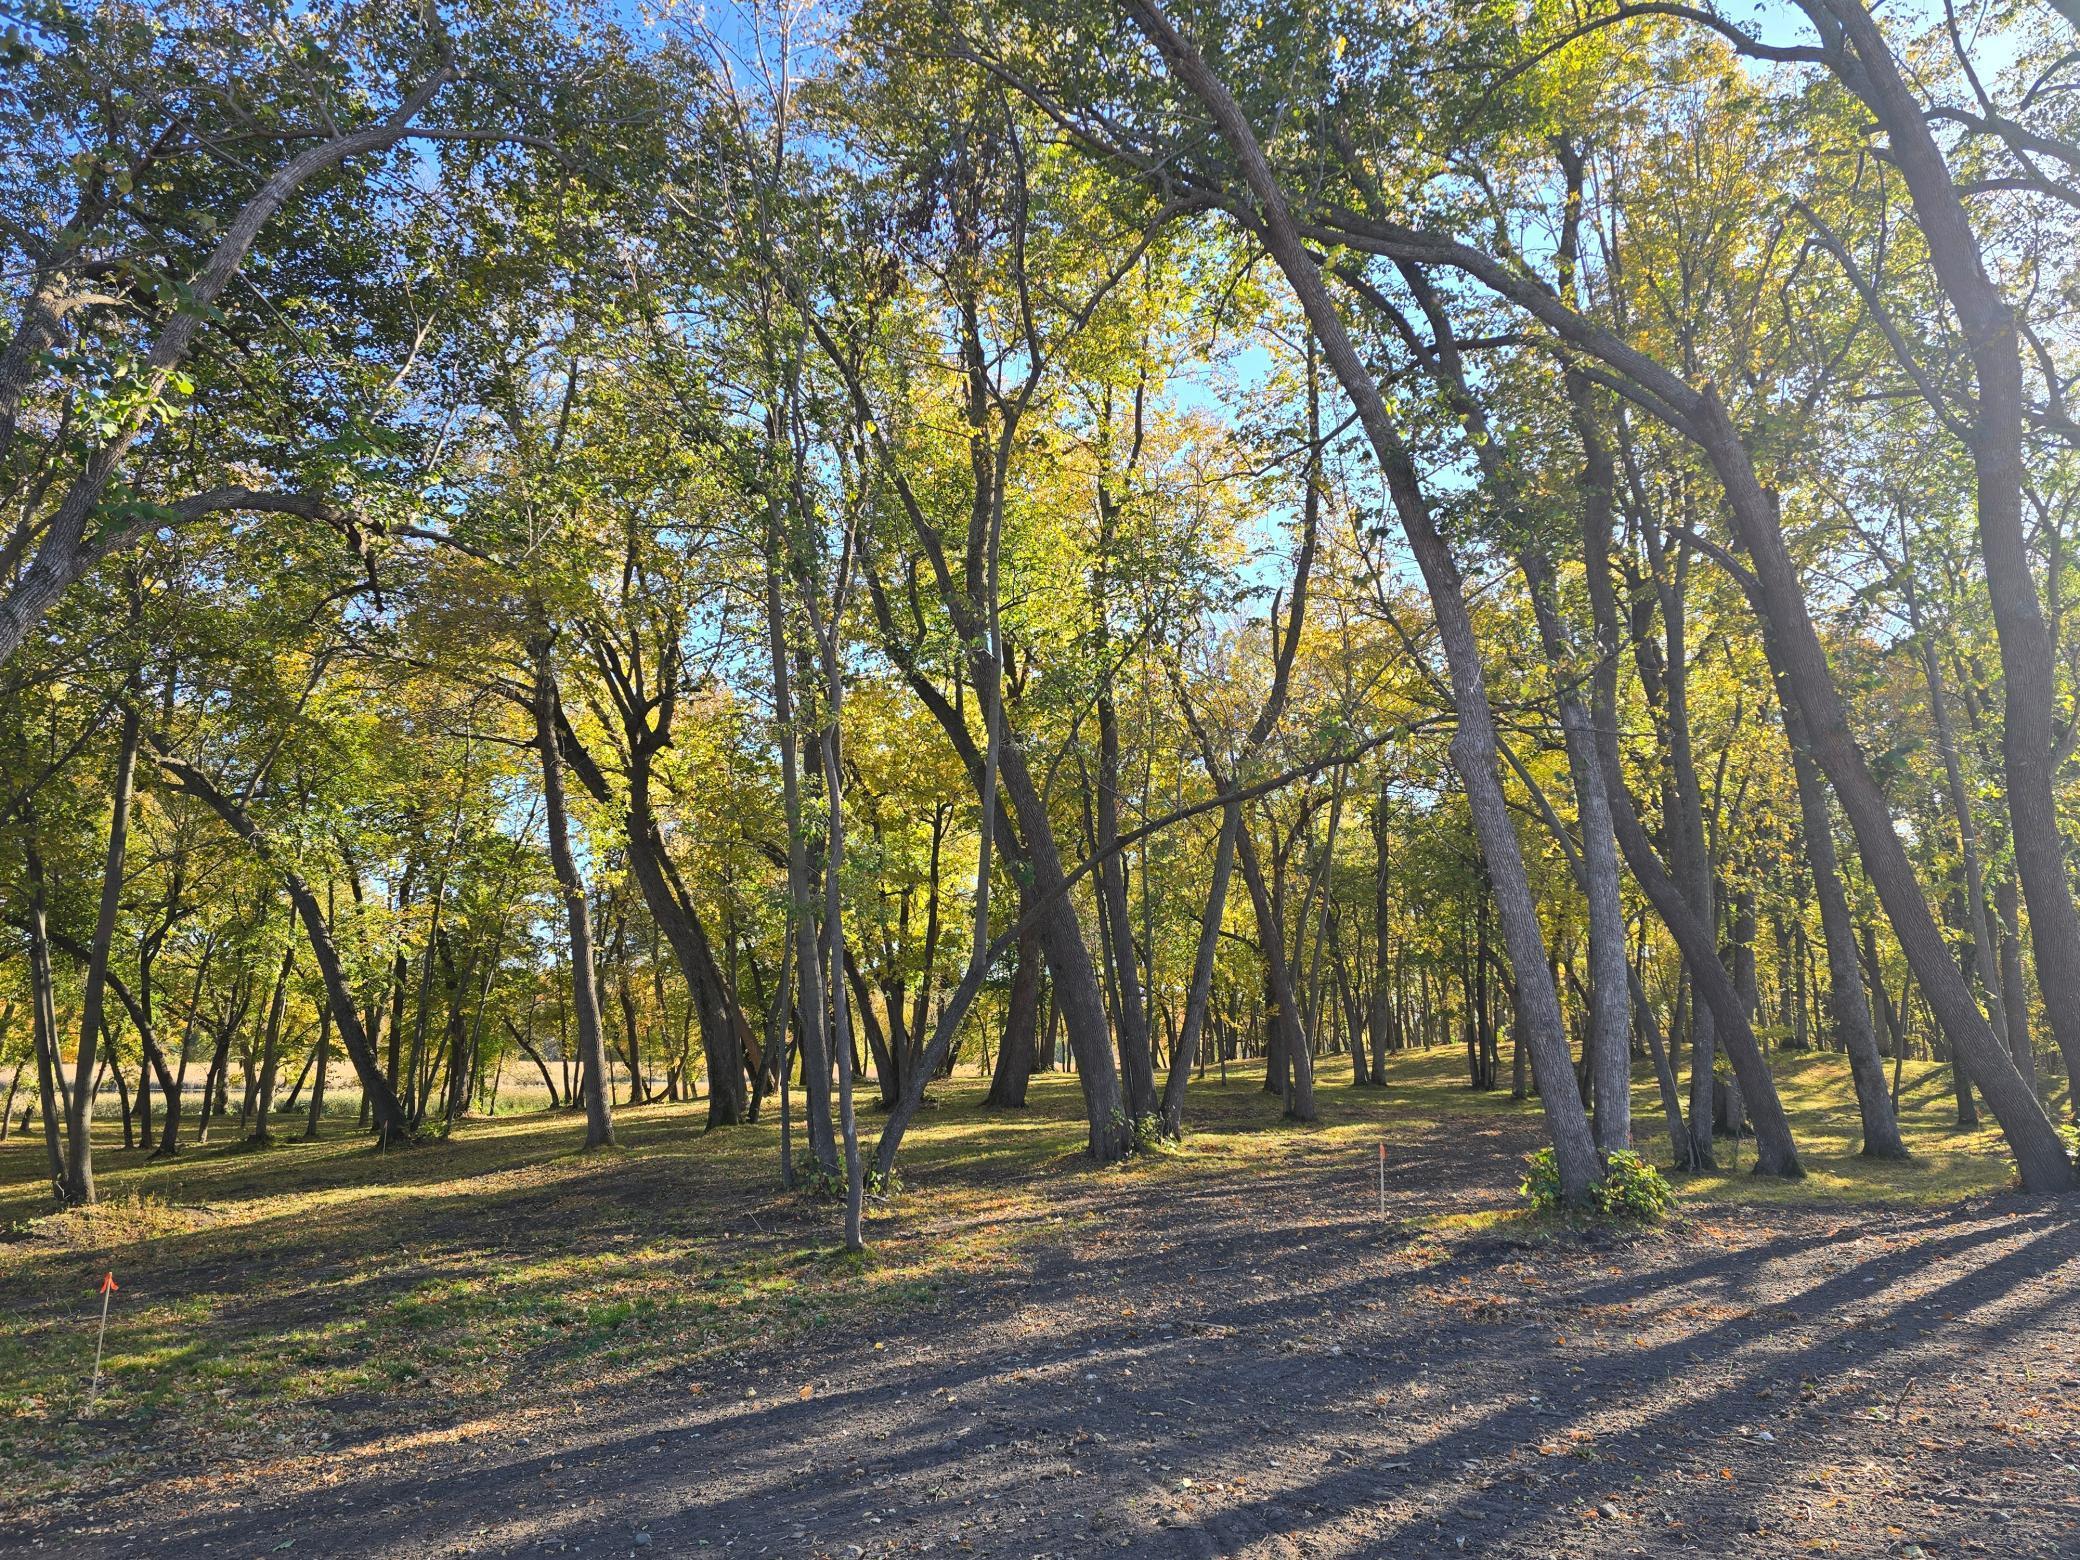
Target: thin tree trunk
[270, 1049]
[43, 1000]
[2014, 985]
[79, 1145]
[592, 1051]
[317, 1110]
[1776, 1154]
[390, 1122]
[809, 971]
[1283, 1015]
[1137, 1069]
[1473, 747]
[1845, 995]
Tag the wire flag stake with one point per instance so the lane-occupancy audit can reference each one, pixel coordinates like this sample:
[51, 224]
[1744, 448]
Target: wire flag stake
[108, 1287]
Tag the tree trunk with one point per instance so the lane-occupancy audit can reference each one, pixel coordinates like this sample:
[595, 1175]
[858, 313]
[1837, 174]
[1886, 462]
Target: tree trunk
[270, 1050]
[1845, 995]
[592, 1050]
[834, 928]
[79, 1146]
[1137, 1069]
[2014, 985]
[1282, 1018]
[1789, 635]
[1007, 1085]
[388, 1111]
[1473, 747]
[1794, 647]
[317, 1110]
[1075, 978]
[2029, 674]
[1384, 1022]
[801, 899]
[1776, 1154]
[43, 1002]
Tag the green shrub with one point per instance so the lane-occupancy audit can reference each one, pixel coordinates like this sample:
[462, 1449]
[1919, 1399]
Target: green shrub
[890, 1185]
[1144, 1133]
[1148, 1134]
[1634, 1189]
[815, 1181]
[1541, 1184]
[1631, 1188]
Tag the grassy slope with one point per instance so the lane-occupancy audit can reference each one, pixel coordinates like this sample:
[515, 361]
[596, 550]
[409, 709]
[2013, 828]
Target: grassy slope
[272, 1298]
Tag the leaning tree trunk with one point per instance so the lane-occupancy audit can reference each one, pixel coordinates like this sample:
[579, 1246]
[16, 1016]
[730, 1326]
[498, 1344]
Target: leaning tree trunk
[2029, 670]
[2040, 1156]
[1794, 647]
[1473, 747]
[270, 1049]
[1776, 1154]
[386, 1109]
[2013, 986]
[1609, 1044]
[1845, 994]
[79, 1145]
[317, 1108]
[1985, 964]
[1288, 1040]
[592, 1048]
[1069, 962]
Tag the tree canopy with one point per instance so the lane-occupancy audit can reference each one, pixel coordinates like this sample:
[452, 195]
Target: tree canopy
[765, 554]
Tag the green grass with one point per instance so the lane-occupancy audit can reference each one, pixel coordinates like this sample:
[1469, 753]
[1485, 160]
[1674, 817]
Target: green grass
[272, 1299]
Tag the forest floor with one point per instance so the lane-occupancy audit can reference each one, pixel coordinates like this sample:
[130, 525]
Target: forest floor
[497, 1345]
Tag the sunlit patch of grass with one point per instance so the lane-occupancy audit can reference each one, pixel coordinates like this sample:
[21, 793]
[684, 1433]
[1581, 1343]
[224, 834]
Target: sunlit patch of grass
[1947, 1162]
[1520, 1223]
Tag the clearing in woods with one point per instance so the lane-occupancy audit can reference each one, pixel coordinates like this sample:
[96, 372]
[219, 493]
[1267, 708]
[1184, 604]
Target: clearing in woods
[498, 1345]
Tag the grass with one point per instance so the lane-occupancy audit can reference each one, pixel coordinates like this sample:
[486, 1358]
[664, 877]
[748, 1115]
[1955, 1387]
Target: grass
[288, 1299]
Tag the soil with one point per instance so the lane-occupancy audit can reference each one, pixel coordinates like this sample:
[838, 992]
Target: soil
[1201, 1361]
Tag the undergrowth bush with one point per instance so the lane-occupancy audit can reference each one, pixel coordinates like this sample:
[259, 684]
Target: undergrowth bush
[1631, 1188]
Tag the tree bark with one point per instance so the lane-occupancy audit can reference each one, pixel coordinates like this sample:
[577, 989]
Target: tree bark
[809, 969]
[1473, 747]
[2029, 674]
[389, 1115]
[592, 1049]
[1007, 1084]
[1137, 1069]
[1282, 1028]
[317, 1110]
[1185, 1052]
[270, 1050]
[44, 1013]
[79, 1146]
[1776, 1154]
[1845, 994]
